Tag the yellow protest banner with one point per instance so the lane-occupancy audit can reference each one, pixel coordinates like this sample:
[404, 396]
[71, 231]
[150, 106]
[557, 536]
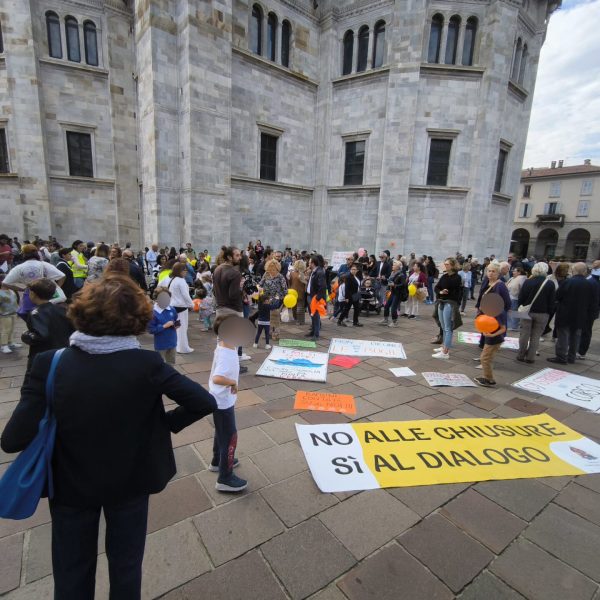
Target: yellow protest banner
[358, 456]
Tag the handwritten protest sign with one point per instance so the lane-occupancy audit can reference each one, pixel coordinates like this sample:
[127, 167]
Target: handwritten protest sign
[363, 456]
[297, 343]
[449, 379]
[287, 363]
[343, 403]
[339, 258]
[469, 337]
[344, 361]
[568, 387]
[366, 348]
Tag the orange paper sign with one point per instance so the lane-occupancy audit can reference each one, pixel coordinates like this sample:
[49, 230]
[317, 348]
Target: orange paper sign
[323, 401]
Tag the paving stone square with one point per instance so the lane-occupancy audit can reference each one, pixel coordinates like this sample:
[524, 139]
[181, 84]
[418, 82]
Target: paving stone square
[307, 558]
[484, 520]
[392, 574]
[451, 554]
[368, 521]
[539, 576]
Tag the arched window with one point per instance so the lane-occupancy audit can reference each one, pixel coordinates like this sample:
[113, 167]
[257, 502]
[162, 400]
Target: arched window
[348, 52]
[523, 64]
[514, 74]
[54, 37]
[452, 40]
[256, 30]
[72, 33]
[363, 48]
[435, 38]
[1, 39]
[272, 36]
[90, 39]
[286, 38]
[378, 44]
[469, 41]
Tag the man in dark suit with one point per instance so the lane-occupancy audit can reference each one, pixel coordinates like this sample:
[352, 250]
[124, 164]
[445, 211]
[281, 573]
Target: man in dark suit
[135, 272]
[577, 304]
[352, 298]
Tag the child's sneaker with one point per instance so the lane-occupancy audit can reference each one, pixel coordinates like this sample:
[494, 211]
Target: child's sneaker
[6, 350]
[394, 324]
[255, 346]
[232, 484]
[215, 468]
[268, 346]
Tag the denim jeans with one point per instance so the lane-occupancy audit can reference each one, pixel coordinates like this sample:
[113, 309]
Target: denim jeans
[430, 281]
[445, 316]
[75, 549]
[392, 305]
[225, 441]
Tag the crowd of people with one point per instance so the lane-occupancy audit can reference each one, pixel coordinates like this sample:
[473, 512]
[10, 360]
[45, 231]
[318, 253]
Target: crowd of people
[95, 299]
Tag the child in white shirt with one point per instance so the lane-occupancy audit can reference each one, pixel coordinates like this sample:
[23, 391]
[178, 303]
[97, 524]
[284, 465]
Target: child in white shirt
[223, 382]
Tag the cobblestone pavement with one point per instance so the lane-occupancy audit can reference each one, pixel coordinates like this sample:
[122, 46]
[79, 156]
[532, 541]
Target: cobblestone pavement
[283, 538]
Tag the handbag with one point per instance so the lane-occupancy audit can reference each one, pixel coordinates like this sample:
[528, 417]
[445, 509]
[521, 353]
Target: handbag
[422, 294]
[22, 485]
[522, 311]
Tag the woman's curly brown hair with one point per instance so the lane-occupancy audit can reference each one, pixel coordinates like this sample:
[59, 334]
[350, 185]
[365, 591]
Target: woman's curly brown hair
[111, 306]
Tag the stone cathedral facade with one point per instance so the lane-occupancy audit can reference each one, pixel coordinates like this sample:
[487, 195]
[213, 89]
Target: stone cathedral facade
[325, 124]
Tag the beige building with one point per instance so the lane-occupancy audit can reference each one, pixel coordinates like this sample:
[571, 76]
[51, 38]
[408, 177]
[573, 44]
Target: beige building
[557, 212]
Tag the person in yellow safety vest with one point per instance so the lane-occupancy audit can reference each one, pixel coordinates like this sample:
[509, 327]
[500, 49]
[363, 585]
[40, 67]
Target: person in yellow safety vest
[207, 256]
[78, 263]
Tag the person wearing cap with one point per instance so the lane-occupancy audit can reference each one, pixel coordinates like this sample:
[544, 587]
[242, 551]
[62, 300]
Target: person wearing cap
[586, 332]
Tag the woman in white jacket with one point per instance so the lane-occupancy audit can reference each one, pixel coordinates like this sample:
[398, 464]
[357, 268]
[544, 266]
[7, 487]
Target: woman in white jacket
[182, 302]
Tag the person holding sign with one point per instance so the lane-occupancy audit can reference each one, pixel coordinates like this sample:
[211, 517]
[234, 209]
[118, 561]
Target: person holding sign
[316, 288]
[492, 341]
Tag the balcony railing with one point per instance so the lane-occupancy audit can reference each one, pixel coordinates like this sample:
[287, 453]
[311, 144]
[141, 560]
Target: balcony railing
[555, 219]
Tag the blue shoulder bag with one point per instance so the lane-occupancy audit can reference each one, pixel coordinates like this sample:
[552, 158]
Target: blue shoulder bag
[22, 485]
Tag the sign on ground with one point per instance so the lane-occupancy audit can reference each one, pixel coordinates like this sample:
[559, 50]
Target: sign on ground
[287, 363]
[362, 456]
[366, 348]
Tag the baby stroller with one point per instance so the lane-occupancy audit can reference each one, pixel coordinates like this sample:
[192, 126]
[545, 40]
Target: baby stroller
[369, 298]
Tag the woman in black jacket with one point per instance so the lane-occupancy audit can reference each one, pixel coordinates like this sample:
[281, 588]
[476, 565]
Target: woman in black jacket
[113, 443]
[316, 287]
[532, 328]
[449, 293]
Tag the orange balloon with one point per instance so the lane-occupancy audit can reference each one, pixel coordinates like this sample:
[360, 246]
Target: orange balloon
[486, 324]
[197, 304]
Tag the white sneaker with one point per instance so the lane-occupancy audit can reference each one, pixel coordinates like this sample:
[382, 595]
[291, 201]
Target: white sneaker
[441, 355]
[13, 346]
[477, 360]
[268, 346]
[438, 350]
[254, 346]
[542, 339]
[394, 324]
[245, 357]
[479, 367]
[6, 350]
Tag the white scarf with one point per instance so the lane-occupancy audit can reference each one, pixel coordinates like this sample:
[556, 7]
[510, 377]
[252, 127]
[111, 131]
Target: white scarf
[105, 344]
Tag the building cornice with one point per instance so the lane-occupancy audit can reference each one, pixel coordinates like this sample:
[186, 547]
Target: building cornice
[94, 181]
[518, 91]
[499, 198]
[438, 190]
[362, 76]
[302, 8]
[452, 71]
[358, 8]
[274, 67]
[72, 66]
[353, 190]
[243, 181]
